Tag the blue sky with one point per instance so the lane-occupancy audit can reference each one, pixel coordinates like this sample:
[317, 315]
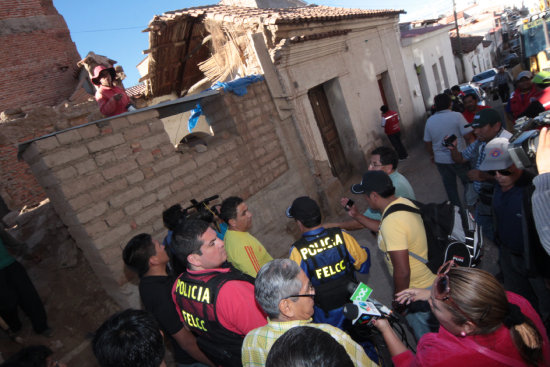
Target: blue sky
[113, 28]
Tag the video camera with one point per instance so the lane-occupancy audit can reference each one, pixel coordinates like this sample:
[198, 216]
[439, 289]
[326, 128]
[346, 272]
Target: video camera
[524, 142]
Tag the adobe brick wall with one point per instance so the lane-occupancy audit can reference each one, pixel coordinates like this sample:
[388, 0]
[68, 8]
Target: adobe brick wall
[18, 186]
[111, 179]
[38, 55]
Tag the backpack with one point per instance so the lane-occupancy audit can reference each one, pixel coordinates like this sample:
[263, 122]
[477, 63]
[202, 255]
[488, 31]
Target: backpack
[451, 232]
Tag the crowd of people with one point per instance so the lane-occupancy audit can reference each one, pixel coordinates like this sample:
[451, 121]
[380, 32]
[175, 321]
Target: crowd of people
[213, 290]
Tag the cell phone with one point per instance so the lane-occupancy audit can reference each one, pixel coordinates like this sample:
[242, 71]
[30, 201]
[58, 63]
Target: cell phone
[348, 205]
[449, 141]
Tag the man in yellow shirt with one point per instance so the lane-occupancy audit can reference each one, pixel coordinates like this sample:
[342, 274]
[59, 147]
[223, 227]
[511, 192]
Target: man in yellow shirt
[244, 251]
[401, 233]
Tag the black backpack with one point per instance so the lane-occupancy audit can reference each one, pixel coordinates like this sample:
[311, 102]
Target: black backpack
[452, 233]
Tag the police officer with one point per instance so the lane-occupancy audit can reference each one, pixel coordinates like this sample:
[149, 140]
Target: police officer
[213, 298]
[329, 257]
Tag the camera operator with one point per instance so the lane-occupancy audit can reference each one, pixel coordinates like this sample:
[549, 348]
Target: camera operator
[541, 195]
[523, 263]
[487, 125]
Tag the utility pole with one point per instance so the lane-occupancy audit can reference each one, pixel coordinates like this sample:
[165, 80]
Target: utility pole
[460, 52]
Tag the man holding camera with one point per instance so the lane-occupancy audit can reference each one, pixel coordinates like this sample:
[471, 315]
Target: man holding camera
[442, 124]
[523, 262]
[329, 257]
[487, 125]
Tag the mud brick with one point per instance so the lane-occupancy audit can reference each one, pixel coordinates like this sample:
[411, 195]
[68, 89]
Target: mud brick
[93, 212]
[68, 137]
[113, 236]
[141, 116]
[135, 177]
[122, 152]
[126, 196]
[119, 123]
[136, 132]
[157, 182]
[104, 158]
[133, 208]
[185, 166]
[86, 166]
[119, 169]
[148, 200]
[81, 201]
[105, 142]
[65, 156]
[85, 183]
[46, 144]
[66, 173]
[163, 193]
[108, 189]
[114, 218]
[96, 228]
[144, 158]
[166, 163]
[149, 213]
[88, 132]
[154, 141]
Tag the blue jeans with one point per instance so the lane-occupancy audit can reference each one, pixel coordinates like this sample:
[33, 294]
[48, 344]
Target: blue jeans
[484, 218]
[449, 173]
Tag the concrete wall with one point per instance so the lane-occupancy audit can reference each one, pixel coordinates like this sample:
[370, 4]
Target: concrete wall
[425, 51]
[111, 179]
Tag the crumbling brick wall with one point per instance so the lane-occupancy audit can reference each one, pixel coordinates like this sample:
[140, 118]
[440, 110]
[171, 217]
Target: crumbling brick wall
[111, 179]
[38, 55]
[18, 186]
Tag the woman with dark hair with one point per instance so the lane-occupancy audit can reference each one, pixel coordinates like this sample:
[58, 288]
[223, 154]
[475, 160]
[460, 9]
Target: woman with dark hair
[481, 324]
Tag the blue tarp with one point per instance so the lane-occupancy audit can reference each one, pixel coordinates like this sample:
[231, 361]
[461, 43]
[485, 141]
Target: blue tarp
[237, 86]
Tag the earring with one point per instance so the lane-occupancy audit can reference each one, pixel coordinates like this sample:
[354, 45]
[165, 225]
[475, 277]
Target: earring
[463, 334]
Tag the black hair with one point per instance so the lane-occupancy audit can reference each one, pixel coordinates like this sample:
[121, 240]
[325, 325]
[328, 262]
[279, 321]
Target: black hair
[387, 156]
[31, 356]
[320, 350]
[442, 102]
[129, 338]
[384, 109]
[473, 95]
[384, 194]
[186, 239]
[455, 88]
[173, 216]
[229, 208]
[137, 253]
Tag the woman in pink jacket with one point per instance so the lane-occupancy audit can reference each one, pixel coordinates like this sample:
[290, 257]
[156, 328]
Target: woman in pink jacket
[481, 324]
[112, 100]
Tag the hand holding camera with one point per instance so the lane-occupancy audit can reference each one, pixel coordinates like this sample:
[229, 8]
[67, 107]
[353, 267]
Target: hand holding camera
[450, 142]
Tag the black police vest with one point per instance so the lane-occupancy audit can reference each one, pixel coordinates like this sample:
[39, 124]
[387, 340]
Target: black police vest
[328, 266]
[196, 297]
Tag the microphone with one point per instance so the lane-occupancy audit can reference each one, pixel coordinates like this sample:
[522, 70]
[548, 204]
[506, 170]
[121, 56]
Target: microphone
[361, 293]
[361, 311]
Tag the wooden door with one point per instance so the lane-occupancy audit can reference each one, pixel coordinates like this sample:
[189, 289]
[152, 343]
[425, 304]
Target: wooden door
[327, 127]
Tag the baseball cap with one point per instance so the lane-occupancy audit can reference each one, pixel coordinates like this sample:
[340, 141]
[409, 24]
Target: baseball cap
[524, 74]
[303, 208]
[484, 117]
[373, 181]
[542, 78]
[496, 155]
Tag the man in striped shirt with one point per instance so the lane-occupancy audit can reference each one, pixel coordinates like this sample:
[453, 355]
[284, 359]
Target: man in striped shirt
[285, 293]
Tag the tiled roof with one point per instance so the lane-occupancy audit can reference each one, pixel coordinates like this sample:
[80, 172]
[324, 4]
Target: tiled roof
[312, 13]
[135, 90]
[419, 31]
[469, 43]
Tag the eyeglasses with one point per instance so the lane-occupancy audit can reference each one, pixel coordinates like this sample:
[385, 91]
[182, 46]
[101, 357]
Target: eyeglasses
[311, 292]
[442, 288]
[374, 164]
[502, 172]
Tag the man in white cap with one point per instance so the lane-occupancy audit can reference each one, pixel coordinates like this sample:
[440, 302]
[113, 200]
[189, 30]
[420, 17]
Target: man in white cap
[523, 262]
[522, 97]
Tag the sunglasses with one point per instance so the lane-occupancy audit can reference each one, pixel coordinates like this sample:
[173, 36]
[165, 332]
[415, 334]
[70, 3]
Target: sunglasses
[442, 288]
[502, 172]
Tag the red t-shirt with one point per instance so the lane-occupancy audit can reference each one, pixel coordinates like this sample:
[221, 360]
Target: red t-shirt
[391, 125]
[469, 116]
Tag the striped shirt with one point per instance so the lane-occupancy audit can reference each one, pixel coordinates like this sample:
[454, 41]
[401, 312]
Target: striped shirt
[258, 342]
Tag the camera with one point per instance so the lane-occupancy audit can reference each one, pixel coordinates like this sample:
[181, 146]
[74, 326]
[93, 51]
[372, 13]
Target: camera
[447, 142]
[523, 144]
